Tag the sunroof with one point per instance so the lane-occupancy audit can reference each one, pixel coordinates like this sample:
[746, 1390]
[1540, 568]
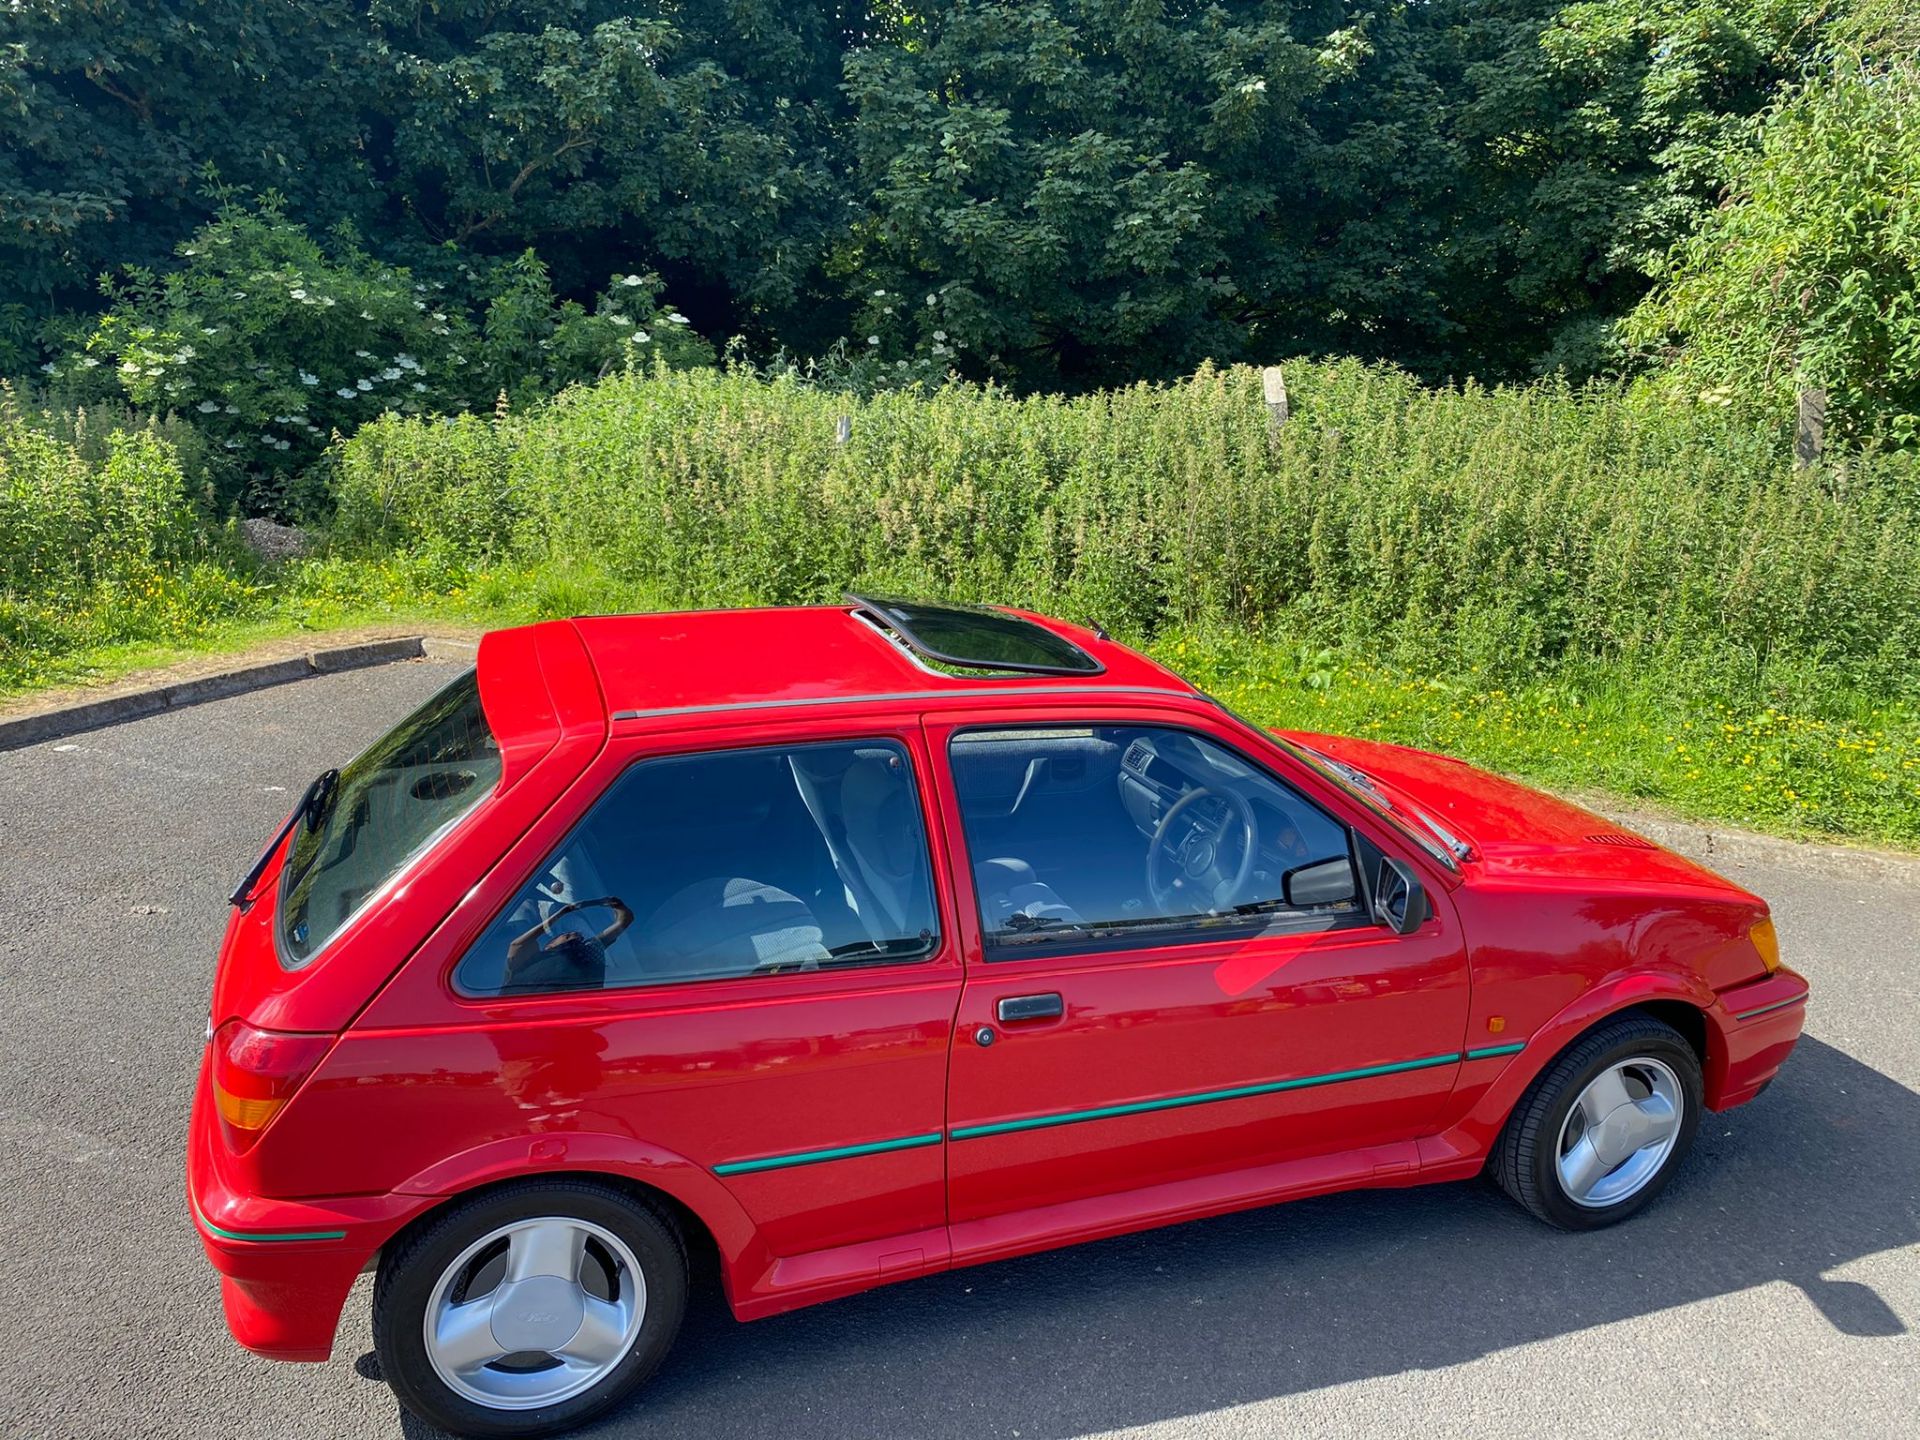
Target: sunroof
[977, 638]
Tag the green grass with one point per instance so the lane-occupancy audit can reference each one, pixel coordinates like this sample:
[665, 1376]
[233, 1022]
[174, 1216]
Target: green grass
[1793, 754]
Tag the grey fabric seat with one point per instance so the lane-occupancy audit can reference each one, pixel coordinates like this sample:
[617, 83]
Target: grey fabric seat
[730, 925]
[1009, 887]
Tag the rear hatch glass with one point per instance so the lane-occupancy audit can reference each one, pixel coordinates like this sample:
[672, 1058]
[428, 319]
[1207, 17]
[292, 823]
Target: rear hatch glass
[388, 806]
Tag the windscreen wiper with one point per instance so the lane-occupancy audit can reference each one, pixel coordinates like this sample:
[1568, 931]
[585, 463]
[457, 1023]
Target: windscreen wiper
[312, 809]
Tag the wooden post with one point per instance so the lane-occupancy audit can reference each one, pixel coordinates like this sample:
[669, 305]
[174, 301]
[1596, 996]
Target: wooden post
[843, 430]
[1275, 386]
[1811, 434]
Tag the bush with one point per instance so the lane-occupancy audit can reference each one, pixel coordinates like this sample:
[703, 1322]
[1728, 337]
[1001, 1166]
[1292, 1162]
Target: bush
[1511, 529]
[271, 343]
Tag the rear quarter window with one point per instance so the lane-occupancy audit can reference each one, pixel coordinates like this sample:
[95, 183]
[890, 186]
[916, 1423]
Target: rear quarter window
[390, 805]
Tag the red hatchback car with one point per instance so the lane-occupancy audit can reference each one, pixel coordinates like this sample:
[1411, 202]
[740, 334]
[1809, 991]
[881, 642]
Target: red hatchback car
[865, 941]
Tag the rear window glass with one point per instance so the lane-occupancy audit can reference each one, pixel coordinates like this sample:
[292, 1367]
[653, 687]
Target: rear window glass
[388, 805]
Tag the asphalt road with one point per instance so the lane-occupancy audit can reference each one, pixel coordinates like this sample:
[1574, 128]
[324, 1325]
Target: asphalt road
[1774, 1290]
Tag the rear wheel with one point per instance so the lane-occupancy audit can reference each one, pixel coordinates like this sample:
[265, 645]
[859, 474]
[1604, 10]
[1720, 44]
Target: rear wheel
[1603, 1129]
[529, 1309]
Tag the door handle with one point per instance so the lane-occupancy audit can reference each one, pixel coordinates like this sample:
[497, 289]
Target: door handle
[1015, 1008]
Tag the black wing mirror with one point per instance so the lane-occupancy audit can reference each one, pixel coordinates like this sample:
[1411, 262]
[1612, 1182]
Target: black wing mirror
[1399, 900]
[1325, 882]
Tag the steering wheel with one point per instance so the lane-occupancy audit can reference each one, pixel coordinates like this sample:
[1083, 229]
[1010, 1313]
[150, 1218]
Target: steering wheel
[622, 917]
[1183, 860]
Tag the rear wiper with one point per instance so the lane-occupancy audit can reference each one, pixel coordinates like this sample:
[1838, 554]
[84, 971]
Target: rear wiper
[312, 809]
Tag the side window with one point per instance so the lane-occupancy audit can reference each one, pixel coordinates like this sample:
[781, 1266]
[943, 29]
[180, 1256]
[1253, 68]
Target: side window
[1087, 834]
[722, 865]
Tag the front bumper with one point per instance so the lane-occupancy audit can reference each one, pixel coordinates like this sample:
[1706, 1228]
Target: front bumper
[1758, 1023]
[285, 1265]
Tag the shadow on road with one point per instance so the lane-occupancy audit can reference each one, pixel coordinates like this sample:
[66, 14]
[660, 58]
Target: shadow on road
[1817, 1173]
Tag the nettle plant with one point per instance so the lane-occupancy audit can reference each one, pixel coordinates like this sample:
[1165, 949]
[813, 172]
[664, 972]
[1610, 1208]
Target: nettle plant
[270, 342]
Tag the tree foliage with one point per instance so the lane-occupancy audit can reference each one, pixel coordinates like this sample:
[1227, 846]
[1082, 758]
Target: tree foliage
[1810, 275]
[1091, 190]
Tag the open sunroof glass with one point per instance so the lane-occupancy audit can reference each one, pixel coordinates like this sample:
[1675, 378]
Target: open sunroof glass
[978, 638]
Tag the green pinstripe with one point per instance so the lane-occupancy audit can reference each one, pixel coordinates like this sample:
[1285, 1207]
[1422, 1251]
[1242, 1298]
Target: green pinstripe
[1203, 1097]
[1493, 1051]
[815, 1157]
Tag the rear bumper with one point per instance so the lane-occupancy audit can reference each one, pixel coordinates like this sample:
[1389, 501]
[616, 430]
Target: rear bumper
[285, 1265]
[1758, 1025]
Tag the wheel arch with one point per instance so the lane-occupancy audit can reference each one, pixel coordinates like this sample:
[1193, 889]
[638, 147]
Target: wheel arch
[1680, 1001]
[719, 1232]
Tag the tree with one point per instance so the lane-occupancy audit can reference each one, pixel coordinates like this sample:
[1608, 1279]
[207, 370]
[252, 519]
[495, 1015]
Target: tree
[1810, 275]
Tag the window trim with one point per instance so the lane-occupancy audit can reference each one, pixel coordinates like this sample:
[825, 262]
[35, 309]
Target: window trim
[1192, 931]
[935, 944]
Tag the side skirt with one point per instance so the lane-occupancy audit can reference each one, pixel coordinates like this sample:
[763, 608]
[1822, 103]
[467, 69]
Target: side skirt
[821, 1275]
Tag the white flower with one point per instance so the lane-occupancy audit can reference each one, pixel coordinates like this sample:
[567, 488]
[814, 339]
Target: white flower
[422, 389]
[879, 294]
[297, 293]
[231, 445]
[676, 318]
[441, 330]
[639, 337]
[49, 369]
[392, 372]
[873, 339]
[363, 384]
[930, 297]
[283, 444]
[1254, 87]
[209, 329]
[185, 352]
[207, 407]
[633, 280]
[327, 301]
[153, 369]
[940, 350]
[406, 362]
[619, 319]
[307, 377]
[439, 315]
[90, 362]
[233, 409]
[419, 304]
[366, 314]
[363, 354]
[346, 392]
[189, 250]
[939, 334]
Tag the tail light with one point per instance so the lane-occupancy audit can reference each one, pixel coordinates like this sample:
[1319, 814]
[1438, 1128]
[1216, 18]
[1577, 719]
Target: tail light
[255, 1073]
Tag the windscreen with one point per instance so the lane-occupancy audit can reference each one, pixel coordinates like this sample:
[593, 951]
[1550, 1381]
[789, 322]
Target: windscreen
[387, 806]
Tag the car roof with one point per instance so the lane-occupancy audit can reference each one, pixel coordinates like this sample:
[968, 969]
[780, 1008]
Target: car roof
[773, 658]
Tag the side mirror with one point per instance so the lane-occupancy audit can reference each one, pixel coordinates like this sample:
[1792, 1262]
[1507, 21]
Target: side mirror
[1325, 882]
[1399, 900]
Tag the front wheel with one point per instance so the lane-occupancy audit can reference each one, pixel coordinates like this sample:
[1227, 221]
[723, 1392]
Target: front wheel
[1603, 1129]
[528, 1309]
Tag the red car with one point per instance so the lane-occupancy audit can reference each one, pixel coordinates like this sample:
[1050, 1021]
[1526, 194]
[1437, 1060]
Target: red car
[860, 942]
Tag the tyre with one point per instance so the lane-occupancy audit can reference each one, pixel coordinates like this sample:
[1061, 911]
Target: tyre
[528, 1309]
[1602, 1130]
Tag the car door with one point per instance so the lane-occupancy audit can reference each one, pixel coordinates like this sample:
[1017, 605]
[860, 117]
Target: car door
[1117, 1036]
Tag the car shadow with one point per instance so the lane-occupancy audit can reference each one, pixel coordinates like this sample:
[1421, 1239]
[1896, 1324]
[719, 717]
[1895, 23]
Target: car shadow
[1814, 1174]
